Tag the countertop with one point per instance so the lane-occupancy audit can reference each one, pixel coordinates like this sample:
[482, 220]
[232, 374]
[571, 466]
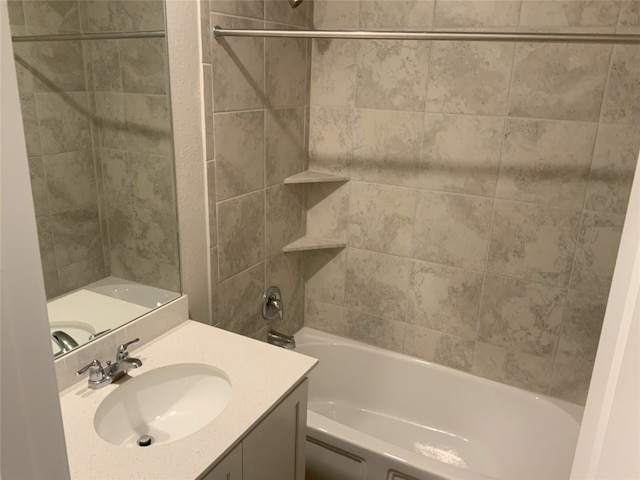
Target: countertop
[260, 374]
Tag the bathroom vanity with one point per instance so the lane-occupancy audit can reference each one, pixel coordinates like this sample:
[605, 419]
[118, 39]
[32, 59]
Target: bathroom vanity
[245, 420]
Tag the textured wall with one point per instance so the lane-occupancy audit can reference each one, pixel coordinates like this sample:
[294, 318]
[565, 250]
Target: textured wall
[256, 99]
[489, 185]
[99, 141]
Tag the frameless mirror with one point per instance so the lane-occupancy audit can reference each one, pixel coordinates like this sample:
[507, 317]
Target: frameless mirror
[94, 90]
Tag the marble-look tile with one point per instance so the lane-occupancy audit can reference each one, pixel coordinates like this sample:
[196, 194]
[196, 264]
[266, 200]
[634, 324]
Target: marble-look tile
[105, 62]
[285, 271]
[241, 232]
[374, 330]
[142, 62]
[438, 347]
[546, 161]
[622, 99]
[559, 81]
[99, 15]
[247, 8]
[156, 235]
[47, 17]
[392, 75]
[377, 283]
[331, 141]
[117, 176]
[284, 143]
[152, 181]
[381, 218]
[518, 369]
[327, 210]
[140, 15]
[79, 274]
[148, 124]
[396, 15]
[24, 65]
[239, 301]
[214, 287]
[324, 316]
[239, 138]
[76, 235]
[206, 31]
[387, 147]
[452, 229]
[629, 21]
[111, 120]
[614, 161]
[468, 77]
[539, 14]
[211, 200]
[571, 378]
[324, 275]
[596, 252]
[477, 14]
[280, 11]
[284, 223]
[238, 67]
[122, 237]
[58, 66]
[130, 266]
[71, 180]
[333, 72]
[445, 299]
[38, 186]
[520, 315]
[51, 284]
[45, 243]
[30, 123]
[63, 122]
[469, 166]
[285, 65]
[582, 324]
[16, 13]
[533, 242]
[329, 14]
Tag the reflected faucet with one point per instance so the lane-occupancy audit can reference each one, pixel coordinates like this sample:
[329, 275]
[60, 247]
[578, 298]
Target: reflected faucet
[65, 342]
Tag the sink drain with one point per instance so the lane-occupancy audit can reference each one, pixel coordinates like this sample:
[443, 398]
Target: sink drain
[144, 440]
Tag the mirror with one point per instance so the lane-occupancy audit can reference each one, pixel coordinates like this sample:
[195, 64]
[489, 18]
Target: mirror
[96, 113]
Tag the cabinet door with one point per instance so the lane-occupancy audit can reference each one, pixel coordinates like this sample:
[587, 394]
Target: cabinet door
[230, 468]
[274, 450]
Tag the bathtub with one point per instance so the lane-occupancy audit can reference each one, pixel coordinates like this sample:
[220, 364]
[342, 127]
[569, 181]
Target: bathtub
[379, 415]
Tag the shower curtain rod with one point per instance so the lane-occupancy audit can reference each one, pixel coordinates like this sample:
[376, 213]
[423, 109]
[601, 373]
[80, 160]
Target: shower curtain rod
[628, 39]
[88, 36]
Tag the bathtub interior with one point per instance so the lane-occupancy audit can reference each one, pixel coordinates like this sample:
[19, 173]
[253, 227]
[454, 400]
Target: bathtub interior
[439, 413]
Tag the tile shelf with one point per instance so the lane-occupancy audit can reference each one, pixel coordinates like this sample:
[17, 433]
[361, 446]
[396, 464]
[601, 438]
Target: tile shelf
[311, 176]
[313, 243]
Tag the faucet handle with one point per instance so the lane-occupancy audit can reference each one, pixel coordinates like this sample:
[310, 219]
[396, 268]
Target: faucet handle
[122, 352]
[96, 372]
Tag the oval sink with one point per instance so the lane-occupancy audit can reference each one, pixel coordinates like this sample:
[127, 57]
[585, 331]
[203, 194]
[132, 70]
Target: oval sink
[162, 405]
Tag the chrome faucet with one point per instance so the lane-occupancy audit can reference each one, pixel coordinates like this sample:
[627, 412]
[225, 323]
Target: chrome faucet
[65, 342]
[100, 376]
[281, 340]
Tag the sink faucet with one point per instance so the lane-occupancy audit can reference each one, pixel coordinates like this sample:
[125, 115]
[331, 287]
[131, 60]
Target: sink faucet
[100, 376]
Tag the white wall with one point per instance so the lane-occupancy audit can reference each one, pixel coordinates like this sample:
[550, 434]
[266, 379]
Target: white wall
[32, 445]
[609, 439]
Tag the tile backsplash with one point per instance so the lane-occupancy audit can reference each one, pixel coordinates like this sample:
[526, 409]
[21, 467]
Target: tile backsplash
[489, 183]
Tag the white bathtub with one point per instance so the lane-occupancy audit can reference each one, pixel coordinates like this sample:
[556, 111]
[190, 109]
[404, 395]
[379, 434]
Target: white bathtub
[378, 415]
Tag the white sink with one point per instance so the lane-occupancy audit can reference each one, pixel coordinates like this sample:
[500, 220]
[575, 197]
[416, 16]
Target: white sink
[166, 404]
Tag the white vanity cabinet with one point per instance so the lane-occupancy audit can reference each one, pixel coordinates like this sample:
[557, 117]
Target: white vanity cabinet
[274, 448]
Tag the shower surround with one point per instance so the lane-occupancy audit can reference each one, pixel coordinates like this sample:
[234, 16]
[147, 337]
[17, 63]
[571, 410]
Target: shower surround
[489, 183]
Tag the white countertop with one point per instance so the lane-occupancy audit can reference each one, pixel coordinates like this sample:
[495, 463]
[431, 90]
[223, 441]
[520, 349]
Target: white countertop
[260, 375]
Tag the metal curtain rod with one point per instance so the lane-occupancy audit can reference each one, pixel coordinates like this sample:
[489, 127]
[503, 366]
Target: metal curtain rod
[632, 39]
[88, 36]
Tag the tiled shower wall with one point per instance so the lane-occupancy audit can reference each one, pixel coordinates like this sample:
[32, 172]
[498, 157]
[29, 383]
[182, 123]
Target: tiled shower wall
[256, 109]
[489, 183]
[99, 143]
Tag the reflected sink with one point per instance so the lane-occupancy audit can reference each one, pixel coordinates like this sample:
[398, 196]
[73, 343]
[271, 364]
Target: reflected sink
[162, 405]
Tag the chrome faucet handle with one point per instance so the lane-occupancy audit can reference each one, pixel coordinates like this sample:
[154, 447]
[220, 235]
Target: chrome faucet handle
[122, 353]
[96, 372]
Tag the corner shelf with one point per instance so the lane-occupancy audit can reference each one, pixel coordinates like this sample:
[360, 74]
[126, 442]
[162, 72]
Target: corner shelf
[313, 243]
[311, 176]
